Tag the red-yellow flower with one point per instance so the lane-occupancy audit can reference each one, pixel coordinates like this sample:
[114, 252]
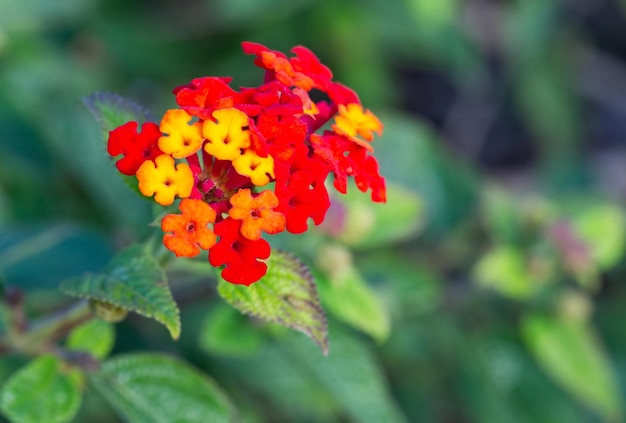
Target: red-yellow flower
[226, 137]
[164, 179]
[182, 139]
[189, 231]
[353, 121]
[256, 213]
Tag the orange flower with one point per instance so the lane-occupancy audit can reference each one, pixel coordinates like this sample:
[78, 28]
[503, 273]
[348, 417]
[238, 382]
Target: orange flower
[256, 213]
[189, 229]
[165, 180]
[353, 121]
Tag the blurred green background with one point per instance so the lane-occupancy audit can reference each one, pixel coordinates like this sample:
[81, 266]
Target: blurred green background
[498, 260]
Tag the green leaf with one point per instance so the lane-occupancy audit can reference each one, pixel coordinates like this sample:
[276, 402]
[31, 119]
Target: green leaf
[112, 110]
[351, 375]
[226, 332]
[42, 391]
[569, 351]
[349, 298]
[370, 225]
[135, 282]
[504, 269]
[60, 251]
[602, 227]
[285, 295]
[95, 337]
[151, 388]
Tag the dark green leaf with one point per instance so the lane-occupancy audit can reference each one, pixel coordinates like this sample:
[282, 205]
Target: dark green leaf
[226, 332]
[135, 282]
[113, 110]
[34, 259]
[569, 351]
[286, 295]
[352, 376]
[151, 388]
[43, 391]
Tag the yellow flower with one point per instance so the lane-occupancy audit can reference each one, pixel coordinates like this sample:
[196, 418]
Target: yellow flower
[182, 139]
[228, 136]
[353, 121]
[163, 179]
[258, 169]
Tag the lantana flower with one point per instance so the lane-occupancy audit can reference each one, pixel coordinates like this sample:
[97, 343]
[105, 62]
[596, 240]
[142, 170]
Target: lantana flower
[250, 161]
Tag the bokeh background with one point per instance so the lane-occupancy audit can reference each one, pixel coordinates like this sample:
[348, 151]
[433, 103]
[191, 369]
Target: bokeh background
[499, 258]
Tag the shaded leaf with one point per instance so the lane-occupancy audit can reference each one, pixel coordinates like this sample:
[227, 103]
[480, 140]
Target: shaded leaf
[135, 282]
[351, 375]
[151, 388]
[42, 391]
[112, 110]
[569, 351]
[95, 337]
[226, 332]
[285, 295]
[58, 252]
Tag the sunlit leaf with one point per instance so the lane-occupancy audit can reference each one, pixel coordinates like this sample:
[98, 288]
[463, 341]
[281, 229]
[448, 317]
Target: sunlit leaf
[133, 281]
[569, 351]
[152, 388]
[285, 295]
[95, 337]
[504, 269]
[602, 228]
[348, 297]
[363, 224]
[43, 391]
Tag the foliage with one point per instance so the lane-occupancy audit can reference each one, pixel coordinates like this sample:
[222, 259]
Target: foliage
[488, 287]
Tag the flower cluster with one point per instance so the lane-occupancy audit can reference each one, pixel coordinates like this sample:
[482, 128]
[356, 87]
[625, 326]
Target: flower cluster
[249, 161]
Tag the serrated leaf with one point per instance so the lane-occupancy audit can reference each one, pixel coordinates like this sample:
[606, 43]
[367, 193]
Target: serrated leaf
[95, 337]
[285, 295]
[369, 225]
[151, 388]
[42, 391]
[112, 110]
[569, 351]
[348, 297]
[226, 332]
[135, 282]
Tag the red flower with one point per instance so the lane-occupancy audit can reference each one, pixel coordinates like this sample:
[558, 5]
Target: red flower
[240, 255]
[136, 147]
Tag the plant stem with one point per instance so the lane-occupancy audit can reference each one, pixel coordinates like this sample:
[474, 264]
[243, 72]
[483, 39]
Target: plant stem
[40, 336]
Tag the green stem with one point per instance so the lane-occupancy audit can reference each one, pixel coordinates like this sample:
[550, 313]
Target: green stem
[40, 336]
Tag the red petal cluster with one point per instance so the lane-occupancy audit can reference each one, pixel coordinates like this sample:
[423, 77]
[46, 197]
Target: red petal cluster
[248, 137]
